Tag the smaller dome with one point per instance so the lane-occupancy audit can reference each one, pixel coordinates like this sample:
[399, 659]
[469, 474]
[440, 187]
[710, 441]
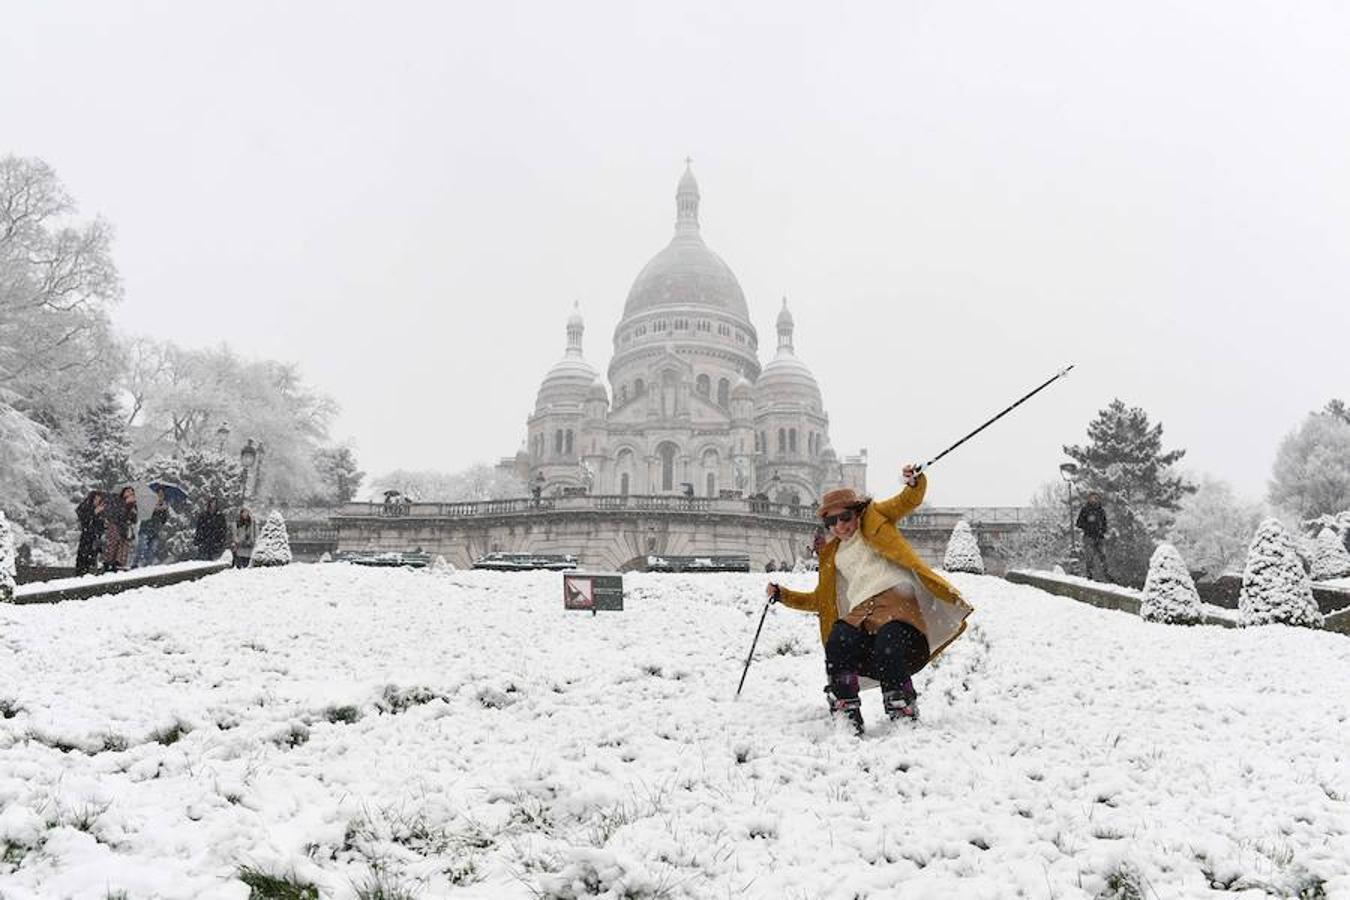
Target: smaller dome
[570, 379]
[598, 392]
[742, 388]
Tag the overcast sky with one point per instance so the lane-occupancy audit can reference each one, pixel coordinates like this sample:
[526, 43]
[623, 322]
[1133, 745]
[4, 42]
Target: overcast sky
[957, 199]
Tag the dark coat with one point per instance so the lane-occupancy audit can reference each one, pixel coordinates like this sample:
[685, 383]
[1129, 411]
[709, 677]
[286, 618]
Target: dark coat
[1092, 520]
[211, 533]
[91, 527]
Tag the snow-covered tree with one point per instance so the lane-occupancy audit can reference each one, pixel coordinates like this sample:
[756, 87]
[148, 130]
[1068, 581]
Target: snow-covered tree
[105, 460]
[339, 477]
[1214, 528]
[1169, 593]
[963, 551]
[6, 560]
[477, 482]
[442, 565]
[274, 544]
[183, 396]
[1312, 467]
[1043, 540]
[203, 474]
[1275, 589]
[1329, 557]
[1125, 463]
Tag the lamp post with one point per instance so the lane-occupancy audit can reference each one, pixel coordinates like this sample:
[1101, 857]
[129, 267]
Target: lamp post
[1069, 471]
[247, 458]
[222, 434]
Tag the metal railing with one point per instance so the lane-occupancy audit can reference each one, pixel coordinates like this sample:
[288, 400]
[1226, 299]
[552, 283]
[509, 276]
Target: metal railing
[931, 517]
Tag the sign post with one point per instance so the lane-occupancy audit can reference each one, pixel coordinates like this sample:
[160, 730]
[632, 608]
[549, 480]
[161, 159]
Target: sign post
[584, 590]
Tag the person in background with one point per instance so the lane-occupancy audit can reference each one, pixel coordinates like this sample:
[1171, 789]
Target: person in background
[1092, 522]
[119, 535]
[147, 543]
[90, 514]
[211, 532]
[245, 536]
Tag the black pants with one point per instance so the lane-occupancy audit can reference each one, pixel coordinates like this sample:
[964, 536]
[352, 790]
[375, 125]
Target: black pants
[891, 656]
[1094, 558]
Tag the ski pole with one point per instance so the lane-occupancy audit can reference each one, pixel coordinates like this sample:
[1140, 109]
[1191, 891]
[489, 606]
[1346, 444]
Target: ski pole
[1053, 378]
[751, 655]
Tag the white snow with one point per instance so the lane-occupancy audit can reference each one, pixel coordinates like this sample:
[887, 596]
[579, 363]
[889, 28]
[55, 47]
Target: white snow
[1274, 586]
[274, 544]
[1169, 592]
[465, 736]
[122, 576]
[1330, 559]
[963, 552]
[7, 568]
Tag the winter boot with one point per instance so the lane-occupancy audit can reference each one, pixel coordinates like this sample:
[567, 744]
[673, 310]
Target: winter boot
[901, 702]
[850, 708]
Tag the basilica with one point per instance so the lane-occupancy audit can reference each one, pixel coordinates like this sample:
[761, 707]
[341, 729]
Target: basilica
[688, 408]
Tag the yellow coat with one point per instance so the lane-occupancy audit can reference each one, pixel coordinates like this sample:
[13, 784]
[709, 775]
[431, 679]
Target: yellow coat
[943, 608]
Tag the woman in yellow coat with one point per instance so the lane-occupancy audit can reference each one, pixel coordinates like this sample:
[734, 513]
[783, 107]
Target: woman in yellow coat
[882, 611]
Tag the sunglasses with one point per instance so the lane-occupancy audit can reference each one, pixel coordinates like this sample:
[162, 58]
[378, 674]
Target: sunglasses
[846, 516]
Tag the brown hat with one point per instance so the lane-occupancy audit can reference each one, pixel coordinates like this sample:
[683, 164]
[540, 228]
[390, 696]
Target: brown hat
[840, 498]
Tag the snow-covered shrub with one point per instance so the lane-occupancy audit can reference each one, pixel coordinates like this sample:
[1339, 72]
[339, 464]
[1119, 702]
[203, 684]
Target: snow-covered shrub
[6, 560]
[963, 553]
[1275, 589]
[274, 544]
[1169, 593]
[442, 566]
[1329, 557]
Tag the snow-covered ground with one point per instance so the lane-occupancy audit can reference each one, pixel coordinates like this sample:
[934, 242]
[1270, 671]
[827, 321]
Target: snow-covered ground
[459, 734]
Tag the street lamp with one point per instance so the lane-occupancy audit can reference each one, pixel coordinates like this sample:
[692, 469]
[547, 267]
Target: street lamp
[223, 433]
[1069, 471]
[247, 457]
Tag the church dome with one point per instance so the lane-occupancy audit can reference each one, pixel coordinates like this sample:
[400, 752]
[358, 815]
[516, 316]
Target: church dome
[686, 273]
[597, 391]
[786, 378]
[571, 378]
[742, 388]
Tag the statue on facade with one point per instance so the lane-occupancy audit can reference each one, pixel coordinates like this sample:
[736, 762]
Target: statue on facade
[742, 473]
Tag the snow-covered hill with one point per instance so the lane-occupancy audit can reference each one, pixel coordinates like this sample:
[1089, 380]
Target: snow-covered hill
[459, 734]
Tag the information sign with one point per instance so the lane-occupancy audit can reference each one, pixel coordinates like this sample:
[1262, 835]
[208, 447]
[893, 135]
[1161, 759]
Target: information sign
[585, 590]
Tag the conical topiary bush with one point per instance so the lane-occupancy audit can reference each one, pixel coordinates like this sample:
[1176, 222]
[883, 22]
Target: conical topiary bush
[274, 544]
[1329, 556]
[1169, 593]
[1275, 589]
[963, 551]
[6, 560]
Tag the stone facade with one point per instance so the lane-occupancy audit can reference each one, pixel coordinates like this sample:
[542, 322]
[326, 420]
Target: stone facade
[688, 407]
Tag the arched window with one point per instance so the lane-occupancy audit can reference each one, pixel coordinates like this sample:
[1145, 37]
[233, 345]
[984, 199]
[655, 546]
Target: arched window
[763, 442]
[667, 453]
[567, 442]
[712, 485]
[723, 391]
[703, 384]
[638, 388]
[792, 440]
[623, 464]
[782, 441]
[558, 441]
